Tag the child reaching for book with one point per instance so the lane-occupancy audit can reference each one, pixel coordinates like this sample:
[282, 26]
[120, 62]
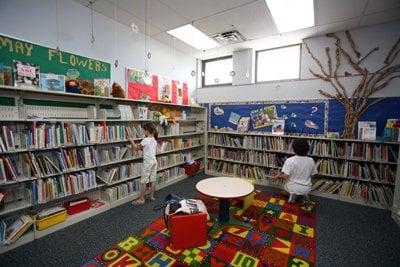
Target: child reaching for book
[149, 169]
[298, 171]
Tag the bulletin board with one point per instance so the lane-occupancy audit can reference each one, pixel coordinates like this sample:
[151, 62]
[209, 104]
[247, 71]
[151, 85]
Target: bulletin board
[50, 60]
[300, 116]
[315, 117]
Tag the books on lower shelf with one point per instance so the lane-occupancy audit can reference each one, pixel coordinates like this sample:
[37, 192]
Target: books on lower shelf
[170, 159]
[369, 193]
[123, 190]
[169, 174]
[363, 171]
[45, 190]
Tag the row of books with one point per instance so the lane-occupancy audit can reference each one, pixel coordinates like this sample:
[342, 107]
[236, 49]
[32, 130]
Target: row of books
[169, 174]
[6, 139]
[45, 190]
[123, 190]
[170, 129]
[170, 159]
[120, 172]
[346, 150]
[365, 151]
[366, 192]
[177, 143]
[363, 171]
[249, 156]
[240, 170]
[27, 165]
[116, 153]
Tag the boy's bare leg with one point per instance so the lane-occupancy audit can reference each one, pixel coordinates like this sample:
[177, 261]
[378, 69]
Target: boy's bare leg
[152, 190]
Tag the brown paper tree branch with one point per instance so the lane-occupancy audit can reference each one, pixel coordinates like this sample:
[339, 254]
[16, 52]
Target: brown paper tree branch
[370, 83]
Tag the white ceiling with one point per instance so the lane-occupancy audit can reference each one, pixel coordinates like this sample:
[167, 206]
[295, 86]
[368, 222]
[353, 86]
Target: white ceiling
[250, 17]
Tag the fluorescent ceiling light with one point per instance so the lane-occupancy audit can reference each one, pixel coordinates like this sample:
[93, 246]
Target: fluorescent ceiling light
[193, 37]
[291, 15]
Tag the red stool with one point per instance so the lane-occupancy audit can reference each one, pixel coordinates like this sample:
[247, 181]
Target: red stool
[188, 230]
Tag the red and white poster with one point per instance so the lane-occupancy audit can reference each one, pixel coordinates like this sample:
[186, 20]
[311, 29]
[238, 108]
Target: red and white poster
[141, 85]
[179, 93]
[152, 87]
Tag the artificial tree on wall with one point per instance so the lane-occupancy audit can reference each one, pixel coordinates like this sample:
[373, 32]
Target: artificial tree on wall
[356, 102]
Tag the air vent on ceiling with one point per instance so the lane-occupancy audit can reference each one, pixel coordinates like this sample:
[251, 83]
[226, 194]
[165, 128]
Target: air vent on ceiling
[230, 37]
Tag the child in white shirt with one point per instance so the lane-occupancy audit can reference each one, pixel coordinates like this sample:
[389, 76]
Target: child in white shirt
[298, 170]
[149, 170]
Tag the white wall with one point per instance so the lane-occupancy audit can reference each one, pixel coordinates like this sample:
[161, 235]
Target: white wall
[35, 21]
[383, 36]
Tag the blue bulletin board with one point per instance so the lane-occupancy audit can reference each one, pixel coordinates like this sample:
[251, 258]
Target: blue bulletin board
[316, 117]
[300, 116]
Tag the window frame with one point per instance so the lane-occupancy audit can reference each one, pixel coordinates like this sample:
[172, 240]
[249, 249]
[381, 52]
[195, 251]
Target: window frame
[203, 70]
[275, 48]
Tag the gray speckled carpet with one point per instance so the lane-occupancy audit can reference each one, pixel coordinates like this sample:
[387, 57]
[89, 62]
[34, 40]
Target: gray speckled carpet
[347, 234]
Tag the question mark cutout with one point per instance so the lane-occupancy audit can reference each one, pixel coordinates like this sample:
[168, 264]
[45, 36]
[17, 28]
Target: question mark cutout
[313, 110]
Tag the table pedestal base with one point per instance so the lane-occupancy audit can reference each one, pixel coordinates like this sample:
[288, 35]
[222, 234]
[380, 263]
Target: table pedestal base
[223, 210]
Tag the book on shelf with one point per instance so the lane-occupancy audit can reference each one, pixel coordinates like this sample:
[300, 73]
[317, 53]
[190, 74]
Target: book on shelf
[52, 82]
[7, 142]
[125, 111]
[367, 130]
[102, 87]
[3, 228]
[17, 229]
[26, 74]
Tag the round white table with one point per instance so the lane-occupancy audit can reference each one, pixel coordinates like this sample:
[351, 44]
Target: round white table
[224, 188]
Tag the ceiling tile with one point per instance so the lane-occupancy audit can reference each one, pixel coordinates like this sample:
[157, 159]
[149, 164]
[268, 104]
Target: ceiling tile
[163, 17]
[328, 11]
[228, 4]
[338, 26]
[381, 5]
[179, 45]
[193, 9]
[135, 7]
[381, 17]
[258, 25]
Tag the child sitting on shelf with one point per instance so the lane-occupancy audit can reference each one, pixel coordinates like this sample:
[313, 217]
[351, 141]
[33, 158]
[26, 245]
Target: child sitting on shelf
[149, 170]
[298, 171]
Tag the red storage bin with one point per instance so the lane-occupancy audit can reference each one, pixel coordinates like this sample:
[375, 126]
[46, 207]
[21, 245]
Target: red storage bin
[188, 230]
[192, 169]
[77, 206]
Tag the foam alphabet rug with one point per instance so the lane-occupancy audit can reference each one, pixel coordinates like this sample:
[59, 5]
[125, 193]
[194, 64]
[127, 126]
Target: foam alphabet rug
[273, 233]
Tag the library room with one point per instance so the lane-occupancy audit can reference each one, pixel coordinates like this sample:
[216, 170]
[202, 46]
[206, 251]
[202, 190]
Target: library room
[168, 133]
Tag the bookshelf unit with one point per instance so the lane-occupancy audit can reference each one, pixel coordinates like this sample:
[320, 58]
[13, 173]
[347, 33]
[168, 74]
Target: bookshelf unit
[67, 141]
[356, 171]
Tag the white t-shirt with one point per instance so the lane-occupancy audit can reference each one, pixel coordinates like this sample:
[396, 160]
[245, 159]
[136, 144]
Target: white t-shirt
[300, 169]
[149, 148]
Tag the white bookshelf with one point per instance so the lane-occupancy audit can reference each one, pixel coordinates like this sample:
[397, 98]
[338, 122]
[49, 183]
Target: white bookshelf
[18, 117]
[377, 163]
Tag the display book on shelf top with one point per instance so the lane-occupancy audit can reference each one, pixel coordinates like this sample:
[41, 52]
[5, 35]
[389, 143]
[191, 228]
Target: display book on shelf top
[67, 156]
[362, 172]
